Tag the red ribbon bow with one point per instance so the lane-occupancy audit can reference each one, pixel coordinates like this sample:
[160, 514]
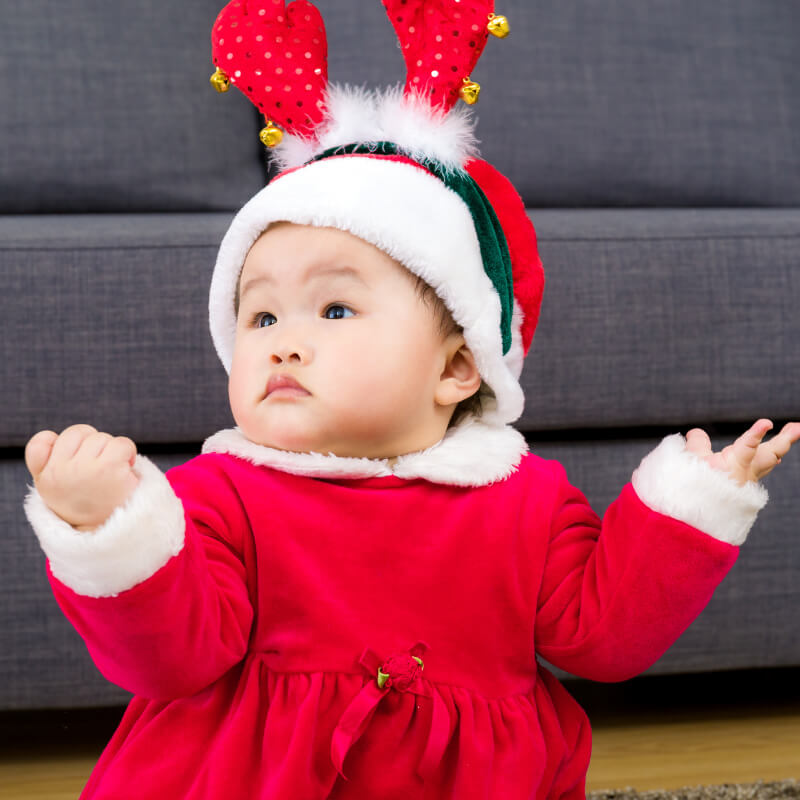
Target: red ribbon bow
[405, 675]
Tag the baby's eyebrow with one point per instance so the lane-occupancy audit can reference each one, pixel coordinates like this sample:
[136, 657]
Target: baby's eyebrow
[311, 274]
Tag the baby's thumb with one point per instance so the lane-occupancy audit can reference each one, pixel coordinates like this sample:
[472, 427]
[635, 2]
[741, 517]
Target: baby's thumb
[37, 451]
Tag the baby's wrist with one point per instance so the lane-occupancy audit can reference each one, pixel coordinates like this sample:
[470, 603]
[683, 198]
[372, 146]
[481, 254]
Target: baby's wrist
[675, 481]
[86, 511]
[134, 542]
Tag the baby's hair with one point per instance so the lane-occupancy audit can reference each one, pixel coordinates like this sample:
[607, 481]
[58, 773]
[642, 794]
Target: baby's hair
[426, 293]
[447, 325]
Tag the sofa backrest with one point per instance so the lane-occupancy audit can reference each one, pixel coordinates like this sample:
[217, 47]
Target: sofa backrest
[648, 103]
[107, 106]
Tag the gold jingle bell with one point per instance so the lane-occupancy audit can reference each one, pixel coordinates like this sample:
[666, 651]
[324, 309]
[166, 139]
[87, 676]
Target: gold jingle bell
[220, 81]
[469, 92]
[271, 136]
[498, 26]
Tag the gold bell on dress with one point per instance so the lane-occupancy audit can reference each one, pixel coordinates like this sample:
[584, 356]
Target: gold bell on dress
[271, 136]
[220, 81]
[498, 26]
[470, 91]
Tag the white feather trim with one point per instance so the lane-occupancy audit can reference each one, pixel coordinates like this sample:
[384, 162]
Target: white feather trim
[674, 481]
[471, 454]
[357, 114]
[132, 544]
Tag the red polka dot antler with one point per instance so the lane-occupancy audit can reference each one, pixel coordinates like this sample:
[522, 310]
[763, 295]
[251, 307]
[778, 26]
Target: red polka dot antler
[442, 41]
[278, 56]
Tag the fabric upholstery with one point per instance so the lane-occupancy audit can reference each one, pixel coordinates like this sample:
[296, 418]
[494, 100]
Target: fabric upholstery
[649, 316]
[107, 108]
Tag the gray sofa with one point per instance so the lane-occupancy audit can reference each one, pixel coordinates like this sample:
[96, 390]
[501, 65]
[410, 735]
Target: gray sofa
[655, 145]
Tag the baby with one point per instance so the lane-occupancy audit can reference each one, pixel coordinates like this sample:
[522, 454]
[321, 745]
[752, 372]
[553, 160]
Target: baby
[242, 646]
[347, 595]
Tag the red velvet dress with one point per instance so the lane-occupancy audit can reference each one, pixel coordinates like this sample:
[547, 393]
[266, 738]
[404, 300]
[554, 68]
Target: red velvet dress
[254, 652]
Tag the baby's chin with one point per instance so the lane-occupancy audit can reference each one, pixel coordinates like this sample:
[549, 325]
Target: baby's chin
[311, 446]
[287, 443]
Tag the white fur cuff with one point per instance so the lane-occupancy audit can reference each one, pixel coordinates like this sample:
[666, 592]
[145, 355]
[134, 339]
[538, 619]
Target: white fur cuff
[674, 481]
[130, 546]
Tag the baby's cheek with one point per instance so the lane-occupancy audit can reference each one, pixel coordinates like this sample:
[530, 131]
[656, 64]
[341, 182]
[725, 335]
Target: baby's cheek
[238, 389]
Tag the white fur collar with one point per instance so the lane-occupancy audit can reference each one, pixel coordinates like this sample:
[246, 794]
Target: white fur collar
[472, 453]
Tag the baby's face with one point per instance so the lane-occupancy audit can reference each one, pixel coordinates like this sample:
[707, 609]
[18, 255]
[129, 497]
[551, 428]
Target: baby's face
[335, 352]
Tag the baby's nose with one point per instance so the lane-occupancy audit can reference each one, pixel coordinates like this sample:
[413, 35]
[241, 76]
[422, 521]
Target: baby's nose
[291, 354]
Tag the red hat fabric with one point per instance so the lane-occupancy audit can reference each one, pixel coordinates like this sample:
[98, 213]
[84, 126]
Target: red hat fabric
[521, 239]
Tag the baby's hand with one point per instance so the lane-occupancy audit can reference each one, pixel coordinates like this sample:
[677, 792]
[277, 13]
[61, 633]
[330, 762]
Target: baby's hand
[82, 475]
[748, 458]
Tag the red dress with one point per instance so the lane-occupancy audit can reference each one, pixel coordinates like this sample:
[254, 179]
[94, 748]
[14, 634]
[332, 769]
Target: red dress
[254, 651]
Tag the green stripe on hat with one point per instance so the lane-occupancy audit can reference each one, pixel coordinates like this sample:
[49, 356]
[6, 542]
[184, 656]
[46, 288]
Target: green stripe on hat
[492, 239]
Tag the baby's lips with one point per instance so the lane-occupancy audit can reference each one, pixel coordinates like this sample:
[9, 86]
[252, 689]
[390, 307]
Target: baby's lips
[284, 381]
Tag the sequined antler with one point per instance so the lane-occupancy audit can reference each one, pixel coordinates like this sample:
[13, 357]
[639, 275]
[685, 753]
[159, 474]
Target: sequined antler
[278, 56]
[442, 41]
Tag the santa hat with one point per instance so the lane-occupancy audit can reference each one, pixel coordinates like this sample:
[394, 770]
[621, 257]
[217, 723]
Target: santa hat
[397, 168]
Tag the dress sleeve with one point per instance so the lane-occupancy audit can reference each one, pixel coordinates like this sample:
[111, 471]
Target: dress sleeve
[159, 593]
[616, 593]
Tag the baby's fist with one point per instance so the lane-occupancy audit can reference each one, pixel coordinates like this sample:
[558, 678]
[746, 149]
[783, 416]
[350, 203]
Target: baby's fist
[82, 475]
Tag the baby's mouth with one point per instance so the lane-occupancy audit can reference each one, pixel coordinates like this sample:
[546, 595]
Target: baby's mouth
[283, 385]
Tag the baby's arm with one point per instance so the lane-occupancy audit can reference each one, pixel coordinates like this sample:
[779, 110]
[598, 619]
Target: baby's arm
[151, 575]
[617, 592]
[719, 492]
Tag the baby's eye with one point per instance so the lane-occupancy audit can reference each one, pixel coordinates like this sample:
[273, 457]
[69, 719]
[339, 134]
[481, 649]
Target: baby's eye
[338, 311]
[263, 319]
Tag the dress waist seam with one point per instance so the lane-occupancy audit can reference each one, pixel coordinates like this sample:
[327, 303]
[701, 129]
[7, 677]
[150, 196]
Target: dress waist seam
[360, 673]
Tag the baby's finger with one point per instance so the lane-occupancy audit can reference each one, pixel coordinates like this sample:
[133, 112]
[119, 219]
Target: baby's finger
[70, 440]
[93, 445]
[37, 451]
[698, 442]
[121, 449]
[780, 444]
[744, 449]
[749, 441]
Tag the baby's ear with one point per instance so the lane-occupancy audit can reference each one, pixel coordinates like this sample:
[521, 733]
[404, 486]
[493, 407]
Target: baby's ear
[460, 378]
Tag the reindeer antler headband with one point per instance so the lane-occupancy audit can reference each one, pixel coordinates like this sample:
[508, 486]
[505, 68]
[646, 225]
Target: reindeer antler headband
[398, 169]
[278, 55]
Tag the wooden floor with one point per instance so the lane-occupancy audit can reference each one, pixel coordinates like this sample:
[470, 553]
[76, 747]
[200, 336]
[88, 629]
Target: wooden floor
[649, 733]
[667, 733]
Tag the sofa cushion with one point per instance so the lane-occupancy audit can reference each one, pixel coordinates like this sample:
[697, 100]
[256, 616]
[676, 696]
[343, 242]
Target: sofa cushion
[107, 107]
[654, 317]
[649, 318]
[106, 322]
